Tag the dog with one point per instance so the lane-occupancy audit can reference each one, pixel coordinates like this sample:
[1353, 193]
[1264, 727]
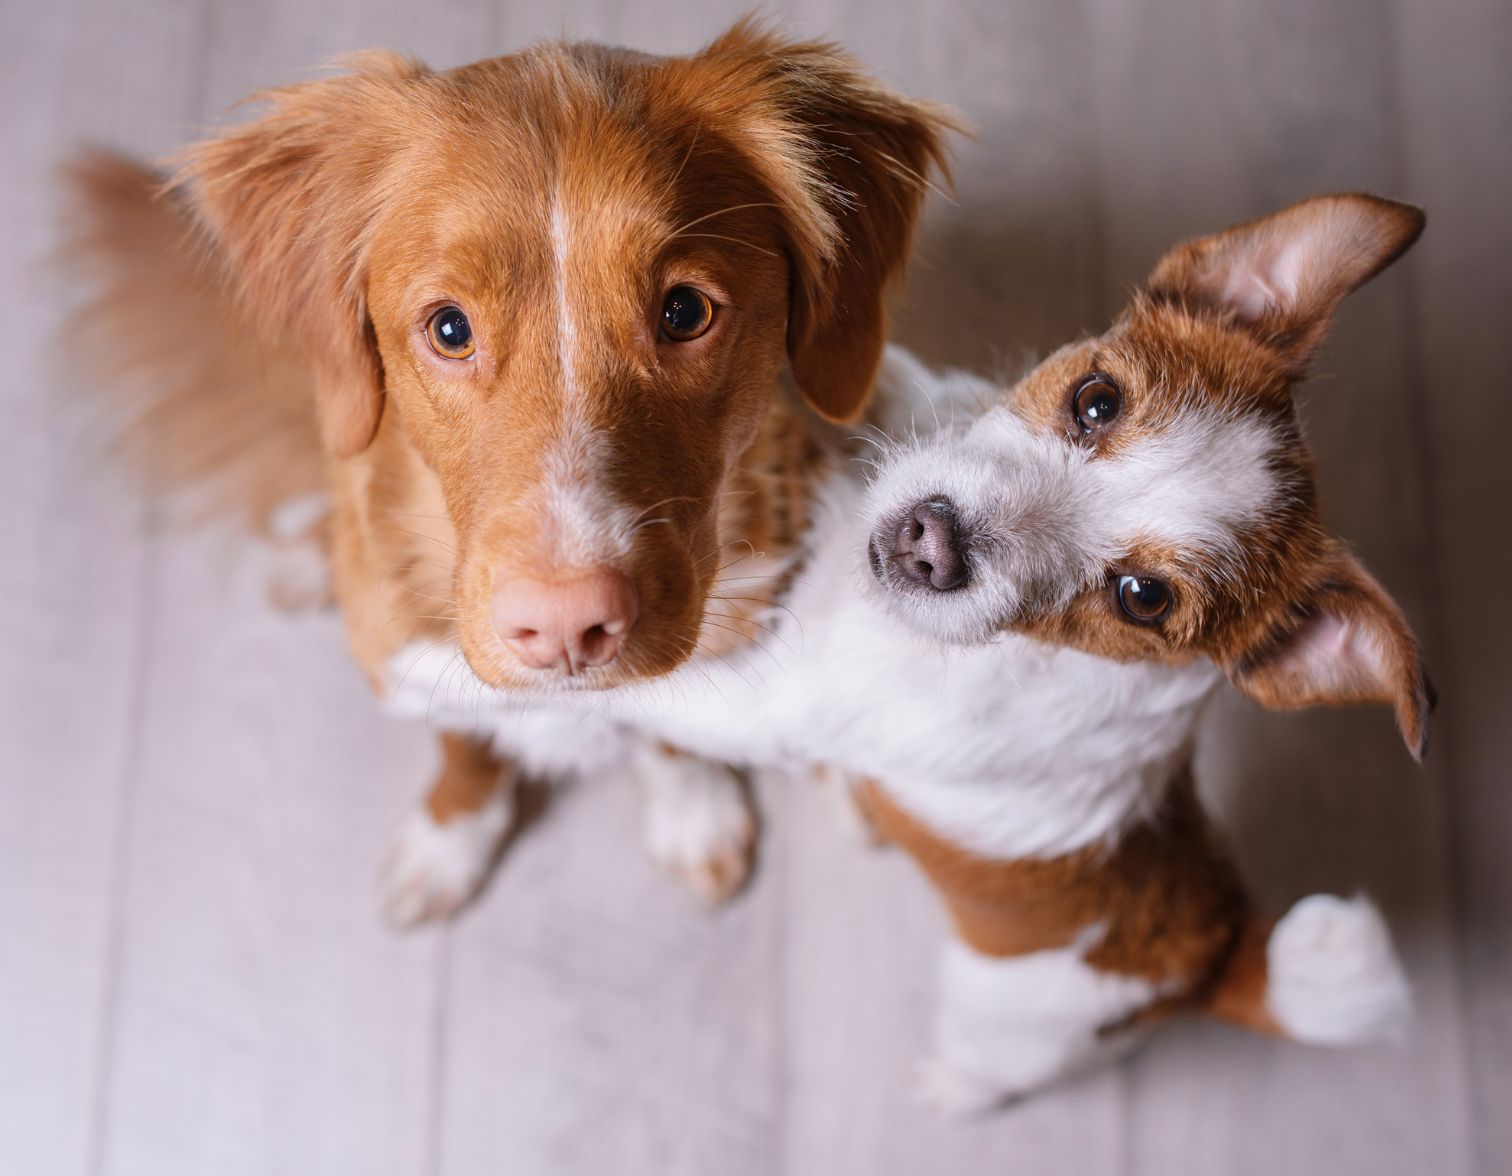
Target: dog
[1008, 657]
[543, 348]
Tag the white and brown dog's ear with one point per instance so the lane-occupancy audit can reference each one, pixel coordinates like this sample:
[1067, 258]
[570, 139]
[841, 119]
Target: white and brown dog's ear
[1285, 274]
[848, 162]
[289, 200]
[1346, 642]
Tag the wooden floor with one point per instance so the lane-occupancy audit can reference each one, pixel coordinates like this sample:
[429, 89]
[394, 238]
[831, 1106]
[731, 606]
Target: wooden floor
[195, 793]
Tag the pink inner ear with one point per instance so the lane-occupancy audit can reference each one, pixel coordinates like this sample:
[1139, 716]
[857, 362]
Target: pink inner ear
[1269, 276]
[1335, 655]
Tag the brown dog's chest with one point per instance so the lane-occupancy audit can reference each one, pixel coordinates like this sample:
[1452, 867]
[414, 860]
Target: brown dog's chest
[1166, 896]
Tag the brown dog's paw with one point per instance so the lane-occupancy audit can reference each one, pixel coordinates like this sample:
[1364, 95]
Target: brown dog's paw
[699, 824]
[299, 566]
[434, 868]
[299, 578]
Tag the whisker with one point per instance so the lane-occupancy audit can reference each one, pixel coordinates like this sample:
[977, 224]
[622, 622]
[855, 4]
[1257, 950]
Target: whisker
[721, 212]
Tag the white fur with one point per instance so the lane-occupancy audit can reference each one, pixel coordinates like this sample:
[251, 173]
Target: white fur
[1334, 977]
[584, 525]
[294, 518]
[697, 823]
[567, 335]
[1007, 1026]
[433, 869]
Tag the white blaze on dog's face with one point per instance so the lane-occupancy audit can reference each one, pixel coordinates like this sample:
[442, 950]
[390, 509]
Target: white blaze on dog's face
[1148, 493]
[568, 279]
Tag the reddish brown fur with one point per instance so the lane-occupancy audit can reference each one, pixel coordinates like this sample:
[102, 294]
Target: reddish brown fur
[210, 415]
[1169, 897]
[469, 776]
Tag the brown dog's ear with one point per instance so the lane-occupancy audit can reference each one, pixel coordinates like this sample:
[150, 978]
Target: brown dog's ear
[1285, 274]
[289, 200]
[848, 162]
[1347, 642]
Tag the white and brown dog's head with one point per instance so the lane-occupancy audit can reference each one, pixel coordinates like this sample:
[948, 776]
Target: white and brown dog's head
[568, 279]
[1148, 493]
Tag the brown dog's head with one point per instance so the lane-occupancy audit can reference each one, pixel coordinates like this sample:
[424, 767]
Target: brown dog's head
[570, 278]
[1148, 493]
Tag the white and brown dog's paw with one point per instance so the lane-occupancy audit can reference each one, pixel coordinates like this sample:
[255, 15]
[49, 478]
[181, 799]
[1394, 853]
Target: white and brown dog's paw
[697, 822]
[434, 868]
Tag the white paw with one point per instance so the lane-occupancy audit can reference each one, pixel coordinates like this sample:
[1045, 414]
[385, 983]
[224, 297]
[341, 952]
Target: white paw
[299, 574]
[1334, 976]
[952, 1093]
[697, 823]
[299, 577]
[432, 869]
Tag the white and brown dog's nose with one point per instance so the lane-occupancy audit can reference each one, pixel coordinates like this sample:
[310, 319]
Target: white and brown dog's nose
[566, 625]
[927, 549]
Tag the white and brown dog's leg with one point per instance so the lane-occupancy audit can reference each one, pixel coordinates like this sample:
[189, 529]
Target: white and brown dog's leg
[845, 795]
[697, 820]
[443, 853]
[1010, 1025]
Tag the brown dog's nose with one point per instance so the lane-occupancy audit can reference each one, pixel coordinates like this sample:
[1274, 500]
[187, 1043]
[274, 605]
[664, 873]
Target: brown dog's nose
[927, 548]
[566, 625]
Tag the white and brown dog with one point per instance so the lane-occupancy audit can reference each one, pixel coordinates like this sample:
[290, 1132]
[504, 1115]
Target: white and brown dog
[1131, 523]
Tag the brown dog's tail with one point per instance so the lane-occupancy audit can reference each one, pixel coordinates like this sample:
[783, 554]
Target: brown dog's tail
[1326, 974]
[212, 417]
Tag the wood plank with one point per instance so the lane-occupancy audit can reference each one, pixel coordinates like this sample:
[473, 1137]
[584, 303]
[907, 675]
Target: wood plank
[1455, 105]
[599, 1020]
[267, 1021]
[1209, 116]
[72, 582]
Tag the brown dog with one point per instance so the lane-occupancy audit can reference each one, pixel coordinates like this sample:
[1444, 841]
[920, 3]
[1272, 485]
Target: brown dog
[541, 306]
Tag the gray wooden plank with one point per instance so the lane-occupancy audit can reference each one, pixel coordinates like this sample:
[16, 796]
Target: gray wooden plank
[1455, 106]
[1253, 109]
[600, 1020]
[267, 1022]
[72, 583]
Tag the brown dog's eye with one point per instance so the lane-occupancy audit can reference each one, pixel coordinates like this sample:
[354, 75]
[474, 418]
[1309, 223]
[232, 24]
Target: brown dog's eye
[1096, 403]
[450, 334]
[686, 314]
[1143, 598]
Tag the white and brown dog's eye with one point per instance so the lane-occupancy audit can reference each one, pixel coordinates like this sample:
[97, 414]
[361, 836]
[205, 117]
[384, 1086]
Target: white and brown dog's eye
[1095, 402]
[1145, 599]
[449, 334]
[686, 314]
